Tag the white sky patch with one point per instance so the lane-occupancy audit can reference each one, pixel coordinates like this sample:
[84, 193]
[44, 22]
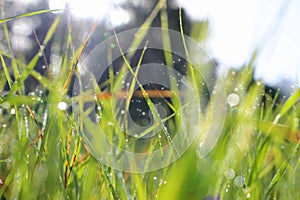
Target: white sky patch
[238, 27]
[94, 9]
[84, 9]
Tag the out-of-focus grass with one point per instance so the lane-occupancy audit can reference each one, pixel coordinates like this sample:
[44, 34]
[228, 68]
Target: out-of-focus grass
[43, 155]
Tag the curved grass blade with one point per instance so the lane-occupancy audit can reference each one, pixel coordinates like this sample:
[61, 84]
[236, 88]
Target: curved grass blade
[281, 171]
[28, 15]
[290, 102]
[148, 100]
[8, 78]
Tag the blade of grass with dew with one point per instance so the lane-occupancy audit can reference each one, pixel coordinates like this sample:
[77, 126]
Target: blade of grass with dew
[43, 80]
[165, 35]
[148, 101]
[145, 26]
[132, 85]
[32, 63]
[8, 78]
[28, 15]
[51, 30]
[26, 72]
[281, 171]
[74, 65]
[77, 58]
[191, 69]
[290, 103]
[14, 64]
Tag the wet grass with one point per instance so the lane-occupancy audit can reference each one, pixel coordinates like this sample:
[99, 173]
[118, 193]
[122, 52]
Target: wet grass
[44, 155]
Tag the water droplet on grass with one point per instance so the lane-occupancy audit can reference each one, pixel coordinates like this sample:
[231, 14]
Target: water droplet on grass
[98, 117]
[62, 105]
[12, 111]
[110, 123]
[229, 173]
[276, 119]
[248, 195]
[233, 99]
[239, 181]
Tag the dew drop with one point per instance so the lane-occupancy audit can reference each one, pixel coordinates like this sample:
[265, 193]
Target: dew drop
[110, 123]
[12, 111]
[239, 181]
[259, 83]
[277, 119]
[98, 117]
[233, 99]
[155, 178]
[229, 173]
[62, 105]
[248, 195]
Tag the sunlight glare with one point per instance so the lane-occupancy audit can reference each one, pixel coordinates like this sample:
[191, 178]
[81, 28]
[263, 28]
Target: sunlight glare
[94, 9]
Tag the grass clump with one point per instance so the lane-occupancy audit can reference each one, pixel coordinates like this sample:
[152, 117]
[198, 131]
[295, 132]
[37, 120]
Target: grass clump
[45, 155]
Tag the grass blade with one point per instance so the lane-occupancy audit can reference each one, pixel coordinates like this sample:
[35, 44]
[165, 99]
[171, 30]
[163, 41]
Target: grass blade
[28, 15]
[6, 71]
[290, 102]
[281, 171]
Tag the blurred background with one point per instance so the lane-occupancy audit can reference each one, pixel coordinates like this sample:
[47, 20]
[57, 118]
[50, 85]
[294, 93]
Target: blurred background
[231, 32]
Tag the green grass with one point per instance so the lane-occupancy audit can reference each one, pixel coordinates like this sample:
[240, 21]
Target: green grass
[45, 155]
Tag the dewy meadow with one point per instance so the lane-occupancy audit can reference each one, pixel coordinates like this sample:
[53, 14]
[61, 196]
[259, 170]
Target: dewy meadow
[137, 111]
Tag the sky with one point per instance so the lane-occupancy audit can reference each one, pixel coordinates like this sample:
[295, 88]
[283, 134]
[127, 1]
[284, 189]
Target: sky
[237, 28]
